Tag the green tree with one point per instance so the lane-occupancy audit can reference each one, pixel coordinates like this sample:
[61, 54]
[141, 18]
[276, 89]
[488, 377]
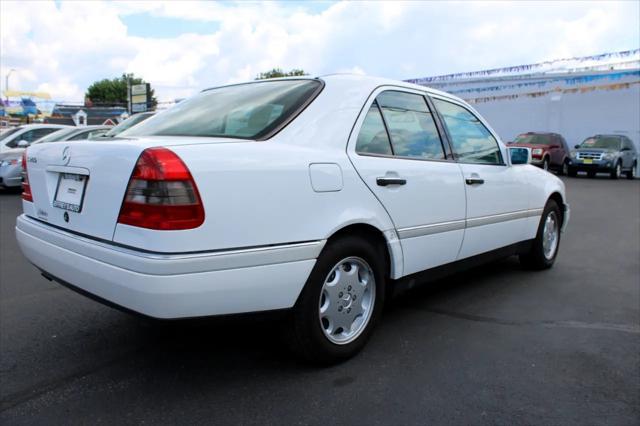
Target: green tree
[277, 73]
[114, 92]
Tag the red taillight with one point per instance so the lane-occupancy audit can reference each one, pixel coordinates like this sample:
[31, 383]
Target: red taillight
[26, 188]
[161, 194]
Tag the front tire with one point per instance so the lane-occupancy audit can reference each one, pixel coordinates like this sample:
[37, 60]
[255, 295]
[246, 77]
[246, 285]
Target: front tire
[564, 170]
[545, 164]
[544, 248]
[572, 172]
[341, 301]
[616, 172]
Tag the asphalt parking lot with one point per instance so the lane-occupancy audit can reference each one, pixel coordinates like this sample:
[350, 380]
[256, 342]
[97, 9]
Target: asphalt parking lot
[495, 345]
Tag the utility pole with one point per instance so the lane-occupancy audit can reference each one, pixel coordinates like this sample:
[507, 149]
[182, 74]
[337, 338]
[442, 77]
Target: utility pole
[6, 84]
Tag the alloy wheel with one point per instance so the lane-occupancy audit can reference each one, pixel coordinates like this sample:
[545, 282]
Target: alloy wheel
[347, 300]
[550, 235]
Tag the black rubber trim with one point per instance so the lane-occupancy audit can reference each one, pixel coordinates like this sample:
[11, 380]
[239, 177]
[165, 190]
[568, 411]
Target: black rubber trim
[439, 272]
[95, 298]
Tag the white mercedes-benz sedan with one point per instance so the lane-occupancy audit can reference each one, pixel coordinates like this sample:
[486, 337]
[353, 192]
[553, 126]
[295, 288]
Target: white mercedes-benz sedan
[318, 196]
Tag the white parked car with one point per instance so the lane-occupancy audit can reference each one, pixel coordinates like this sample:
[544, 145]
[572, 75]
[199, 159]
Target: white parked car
[313, 195]
[22, 136]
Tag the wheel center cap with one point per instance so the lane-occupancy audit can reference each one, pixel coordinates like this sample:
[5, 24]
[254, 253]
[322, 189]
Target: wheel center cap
[346, 300]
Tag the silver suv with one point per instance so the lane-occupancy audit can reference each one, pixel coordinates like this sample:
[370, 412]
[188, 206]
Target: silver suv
[613, 154]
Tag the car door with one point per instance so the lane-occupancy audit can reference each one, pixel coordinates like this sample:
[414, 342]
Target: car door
[627, 153]
[398, 151]
[497, 196]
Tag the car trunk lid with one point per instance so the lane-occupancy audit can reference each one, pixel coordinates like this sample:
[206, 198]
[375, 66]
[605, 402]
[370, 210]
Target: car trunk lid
[80, 186]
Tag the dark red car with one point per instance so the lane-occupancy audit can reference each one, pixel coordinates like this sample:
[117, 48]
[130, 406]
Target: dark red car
[548, 150]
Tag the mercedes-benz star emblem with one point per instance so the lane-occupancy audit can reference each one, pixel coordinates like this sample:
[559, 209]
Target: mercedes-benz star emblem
[66, 155]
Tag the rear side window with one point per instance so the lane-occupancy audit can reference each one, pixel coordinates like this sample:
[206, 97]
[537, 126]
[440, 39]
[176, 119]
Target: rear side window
[400, 124]
[244, 111]
[471, 140]
[373, 137]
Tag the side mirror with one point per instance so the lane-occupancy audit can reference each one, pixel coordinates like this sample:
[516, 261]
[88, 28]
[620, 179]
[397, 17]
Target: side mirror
[577, 147]
[625, 148]
[519, 155]
[23, 144]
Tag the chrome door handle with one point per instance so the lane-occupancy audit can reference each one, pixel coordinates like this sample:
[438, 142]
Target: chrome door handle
[474, 181]
[385, 181]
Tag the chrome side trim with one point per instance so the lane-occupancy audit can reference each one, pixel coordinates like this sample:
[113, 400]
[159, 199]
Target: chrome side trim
[502, 217]
[170, 264]
[435, 228]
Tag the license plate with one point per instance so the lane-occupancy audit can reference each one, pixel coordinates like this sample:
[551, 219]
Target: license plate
[587, 161]
[70, 192]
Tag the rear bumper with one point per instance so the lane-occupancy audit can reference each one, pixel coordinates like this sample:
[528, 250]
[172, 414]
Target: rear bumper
[171, 285]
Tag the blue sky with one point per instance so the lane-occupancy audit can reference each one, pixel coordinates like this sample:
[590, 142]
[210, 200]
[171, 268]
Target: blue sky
[180, 47]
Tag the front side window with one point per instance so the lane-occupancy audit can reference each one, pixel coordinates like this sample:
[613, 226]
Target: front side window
[243, 111]
[5, 135]
[30, 136]
[471, 140]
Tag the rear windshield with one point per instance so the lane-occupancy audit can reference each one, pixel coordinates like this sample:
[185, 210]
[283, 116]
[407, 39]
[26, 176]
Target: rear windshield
[606, 142]
[244, 111]
[534, 139]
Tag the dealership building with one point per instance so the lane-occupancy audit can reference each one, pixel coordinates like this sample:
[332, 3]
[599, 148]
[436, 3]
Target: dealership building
[576, 97]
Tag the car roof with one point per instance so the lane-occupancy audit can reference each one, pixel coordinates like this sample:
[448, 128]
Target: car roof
[540, 133]
[43, 125]
[364, 81]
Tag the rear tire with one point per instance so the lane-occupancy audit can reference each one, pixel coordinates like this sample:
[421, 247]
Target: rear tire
[631, 174]
[544, 248]
[333, 317]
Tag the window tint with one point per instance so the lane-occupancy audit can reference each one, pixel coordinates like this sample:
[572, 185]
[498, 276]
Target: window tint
[30, 136]
[471, 140]
[411, 126]
[373, 138]
[245, 111]
[82, 135]
[56, 136]
[7, 133]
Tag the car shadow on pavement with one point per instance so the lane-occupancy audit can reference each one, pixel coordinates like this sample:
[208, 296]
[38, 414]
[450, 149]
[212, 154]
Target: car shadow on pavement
[248, 340]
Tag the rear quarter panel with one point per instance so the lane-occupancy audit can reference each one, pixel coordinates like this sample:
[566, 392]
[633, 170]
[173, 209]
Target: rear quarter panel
[260, 193]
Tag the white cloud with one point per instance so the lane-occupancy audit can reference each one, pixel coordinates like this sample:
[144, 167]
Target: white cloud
[63, 49]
